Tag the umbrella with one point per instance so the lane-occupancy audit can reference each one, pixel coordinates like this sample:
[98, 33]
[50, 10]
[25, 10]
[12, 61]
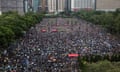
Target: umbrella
[73, 55]
[43, 30]
[54, 30]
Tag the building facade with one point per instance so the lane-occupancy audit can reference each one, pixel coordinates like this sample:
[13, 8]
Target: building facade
[51, 6]
[67, 5]
[12, 5]
[30, 5]
[107, 5]
[0, 8]
[35, 5]
[77, 5]
[43, 6]
[55, 6]
[61, 5]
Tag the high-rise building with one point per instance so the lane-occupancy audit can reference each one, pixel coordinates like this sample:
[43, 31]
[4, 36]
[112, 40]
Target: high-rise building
[43, 6]
[51, 6]
[25, 3]
[0, 8]
[82, 4]
[61, 5]
[12, 5]
[35, 5]
[107, 5]
[56, 6]
[30, 5]
[67, 5]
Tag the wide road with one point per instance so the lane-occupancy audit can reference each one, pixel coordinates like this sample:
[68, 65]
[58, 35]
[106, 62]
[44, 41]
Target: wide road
[46, 46]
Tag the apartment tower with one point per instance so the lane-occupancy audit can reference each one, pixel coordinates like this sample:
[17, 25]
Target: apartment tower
[12, 5]
[77, 5]
[43, 6]
[55, 6]
[107, 5]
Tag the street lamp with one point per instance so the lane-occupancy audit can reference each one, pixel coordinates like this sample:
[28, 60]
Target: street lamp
[56, 9]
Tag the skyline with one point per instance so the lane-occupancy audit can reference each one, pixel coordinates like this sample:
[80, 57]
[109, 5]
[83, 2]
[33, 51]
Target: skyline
[50, 6]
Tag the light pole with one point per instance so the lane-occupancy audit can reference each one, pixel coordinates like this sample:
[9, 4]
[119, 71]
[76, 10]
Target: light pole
[56, 9]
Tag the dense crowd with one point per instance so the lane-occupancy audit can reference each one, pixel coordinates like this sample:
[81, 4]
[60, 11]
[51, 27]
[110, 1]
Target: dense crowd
[47, 51]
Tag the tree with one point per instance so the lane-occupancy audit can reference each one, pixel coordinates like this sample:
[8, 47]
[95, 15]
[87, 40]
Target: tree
[117, 24]
[6, 36]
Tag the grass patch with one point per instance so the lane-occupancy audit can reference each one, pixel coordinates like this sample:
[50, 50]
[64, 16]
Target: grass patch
[102, 66]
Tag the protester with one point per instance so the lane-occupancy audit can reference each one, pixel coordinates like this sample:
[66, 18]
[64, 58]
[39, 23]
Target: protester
[44, 50]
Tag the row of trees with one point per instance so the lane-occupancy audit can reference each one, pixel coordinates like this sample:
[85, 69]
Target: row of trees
[109, 20]
[13, 26]
[92, 62]
[102, 66]
[96, 58]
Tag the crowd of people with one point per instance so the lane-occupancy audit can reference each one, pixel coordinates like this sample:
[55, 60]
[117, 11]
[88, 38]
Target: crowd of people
[44, 50]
